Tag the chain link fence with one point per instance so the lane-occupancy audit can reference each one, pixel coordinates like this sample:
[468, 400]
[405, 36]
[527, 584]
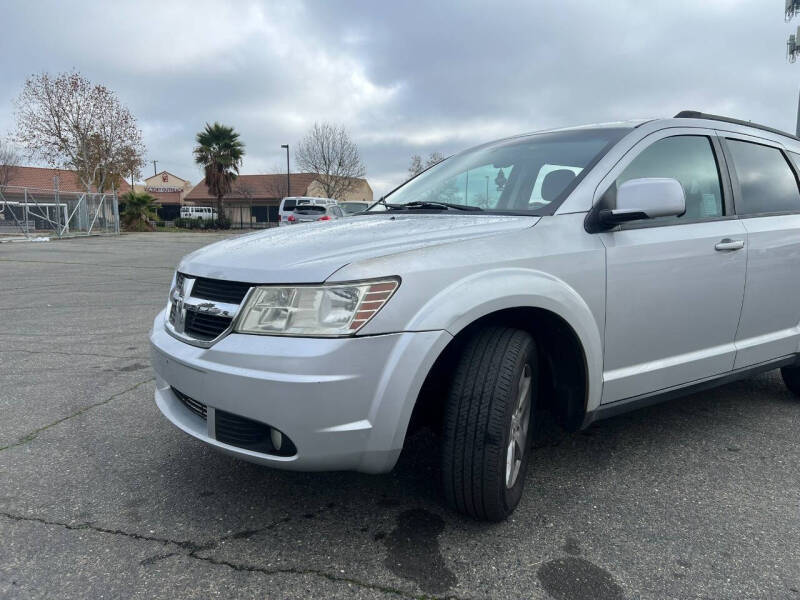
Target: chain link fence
[37, 212]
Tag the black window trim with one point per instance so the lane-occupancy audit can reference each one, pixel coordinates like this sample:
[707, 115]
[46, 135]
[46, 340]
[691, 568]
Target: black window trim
[737, 190]
[726, 186]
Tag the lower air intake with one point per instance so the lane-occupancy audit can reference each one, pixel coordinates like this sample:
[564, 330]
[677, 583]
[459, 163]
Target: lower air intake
[241, 432]
[250, 435]
[193, 405]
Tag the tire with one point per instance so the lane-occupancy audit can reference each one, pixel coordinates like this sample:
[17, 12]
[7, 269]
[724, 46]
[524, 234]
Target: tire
[493, 369]
[791, 377]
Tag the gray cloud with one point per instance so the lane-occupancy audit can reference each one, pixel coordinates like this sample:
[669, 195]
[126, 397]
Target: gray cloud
[404, 77]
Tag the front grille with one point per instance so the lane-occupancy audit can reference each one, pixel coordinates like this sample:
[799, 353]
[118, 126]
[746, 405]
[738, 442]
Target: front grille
[204, 326]
[193, 405]
[218, 290]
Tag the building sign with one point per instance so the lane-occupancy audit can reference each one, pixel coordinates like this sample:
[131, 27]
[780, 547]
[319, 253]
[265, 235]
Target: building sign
[162, 190]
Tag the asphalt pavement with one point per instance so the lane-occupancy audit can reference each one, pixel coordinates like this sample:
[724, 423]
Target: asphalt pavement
[101, 497]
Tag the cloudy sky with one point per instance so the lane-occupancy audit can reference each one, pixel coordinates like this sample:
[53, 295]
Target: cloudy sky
[403, 77]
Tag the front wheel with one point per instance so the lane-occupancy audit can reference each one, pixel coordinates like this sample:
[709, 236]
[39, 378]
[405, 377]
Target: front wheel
[488, 418]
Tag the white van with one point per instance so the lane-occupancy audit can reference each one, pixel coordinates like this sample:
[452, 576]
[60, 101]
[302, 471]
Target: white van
[290, 203]
[198, 212]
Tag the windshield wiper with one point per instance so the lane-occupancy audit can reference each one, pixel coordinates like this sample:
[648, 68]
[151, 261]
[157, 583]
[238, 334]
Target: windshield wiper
[420, 204]
[435, 205]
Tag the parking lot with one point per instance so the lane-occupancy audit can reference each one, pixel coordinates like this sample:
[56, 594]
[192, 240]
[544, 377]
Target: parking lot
[101, 497]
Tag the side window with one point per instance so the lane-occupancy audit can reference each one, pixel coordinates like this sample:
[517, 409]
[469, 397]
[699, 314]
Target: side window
[689, 159]
[766, 181]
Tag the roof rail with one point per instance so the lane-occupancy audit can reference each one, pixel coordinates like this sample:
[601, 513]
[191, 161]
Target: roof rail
[695, 114]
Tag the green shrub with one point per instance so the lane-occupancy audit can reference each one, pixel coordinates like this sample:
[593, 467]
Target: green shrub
[225, 223]
[140, 209]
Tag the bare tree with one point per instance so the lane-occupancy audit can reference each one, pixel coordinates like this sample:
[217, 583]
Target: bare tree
[69, 122]
[417, 165]
[328, 152]
[9, 160]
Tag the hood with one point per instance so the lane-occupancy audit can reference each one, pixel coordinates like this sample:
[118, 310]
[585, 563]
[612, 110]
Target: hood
[310, 253]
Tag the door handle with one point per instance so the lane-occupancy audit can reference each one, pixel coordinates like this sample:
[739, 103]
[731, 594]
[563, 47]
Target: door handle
[729, 244]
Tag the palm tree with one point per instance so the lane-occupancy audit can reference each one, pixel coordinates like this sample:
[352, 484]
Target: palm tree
[140, 208]
[220, 153]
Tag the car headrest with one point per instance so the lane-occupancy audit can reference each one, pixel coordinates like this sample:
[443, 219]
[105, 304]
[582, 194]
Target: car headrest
[556, 182]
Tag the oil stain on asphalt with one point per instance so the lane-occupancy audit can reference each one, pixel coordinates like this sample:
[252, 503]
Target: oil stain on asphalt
[413, 551]
[575, 578]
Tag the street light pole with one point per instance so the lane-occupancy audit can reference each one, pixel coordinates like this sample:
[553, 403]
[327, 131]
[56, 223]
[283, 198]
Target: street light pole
[288, 184]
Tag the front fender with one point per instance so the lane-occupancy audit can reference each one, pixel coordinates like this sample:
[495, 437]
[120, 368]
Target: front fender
[491, 291]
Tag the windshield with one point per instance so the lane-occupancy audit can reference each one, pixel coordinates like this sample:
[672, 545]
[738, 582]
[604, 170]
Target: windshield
[532, 174]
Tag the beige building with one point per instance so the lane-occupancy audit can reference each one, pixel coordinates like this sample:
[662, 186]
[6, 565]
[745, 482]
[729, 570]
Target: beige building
[169, 190]
[254, 199]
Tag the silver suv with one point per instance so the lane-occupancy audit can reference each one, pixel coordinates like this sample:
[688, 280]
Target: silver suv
[584, 272]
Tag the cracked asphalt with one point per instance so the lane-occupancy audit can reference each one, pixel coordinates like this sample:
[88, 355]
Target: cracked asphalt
[100, 497]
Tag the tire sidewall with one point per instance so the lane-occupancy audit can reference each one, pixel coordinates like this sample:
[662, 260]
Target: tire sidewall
[511, 496]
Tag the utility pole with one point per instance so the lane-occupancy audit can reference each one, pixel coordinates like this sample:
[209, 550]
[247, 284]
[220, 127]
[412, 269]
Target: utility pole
[793, 47]
[155, 162]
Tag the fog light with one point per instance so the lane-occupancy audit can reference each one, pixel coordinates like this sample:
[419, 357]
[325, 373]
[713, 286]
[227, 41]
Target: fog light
[276, 437]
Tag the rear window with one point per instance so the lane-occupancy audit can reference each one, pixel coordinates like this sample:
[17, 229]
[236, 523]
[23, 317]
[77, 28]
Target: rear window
[289, 204]
[309, 209]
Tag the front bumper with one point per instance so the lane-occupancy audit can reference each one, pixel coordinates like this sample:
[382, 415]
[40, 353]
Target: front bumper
[344, 402]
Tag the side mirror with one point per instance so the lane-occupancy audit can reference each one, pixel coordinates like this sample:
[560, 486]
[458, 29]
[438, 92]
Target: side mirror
[645, 198]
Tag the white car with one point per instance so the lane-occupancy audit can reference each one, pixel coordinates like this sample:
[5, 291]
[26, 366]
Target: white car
[290, 203]
[584, 272]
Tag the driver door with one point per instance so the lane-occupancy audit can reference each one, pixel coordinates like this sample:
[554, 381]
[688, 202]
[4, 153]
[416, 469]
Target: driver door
[674, 286]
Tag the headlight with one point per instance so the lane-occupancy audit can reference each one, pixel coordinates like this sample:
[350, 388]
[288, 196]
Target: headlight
[324, 310]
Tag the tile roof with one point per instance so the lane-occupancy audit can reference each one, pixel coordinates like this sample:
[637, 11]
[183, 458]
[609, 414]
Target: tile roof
[42, 178]
[259, 186]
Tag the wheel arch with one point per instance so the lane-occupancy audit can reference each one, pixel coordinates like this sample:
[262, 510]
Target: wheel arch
[563, 385]
[557, 315]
